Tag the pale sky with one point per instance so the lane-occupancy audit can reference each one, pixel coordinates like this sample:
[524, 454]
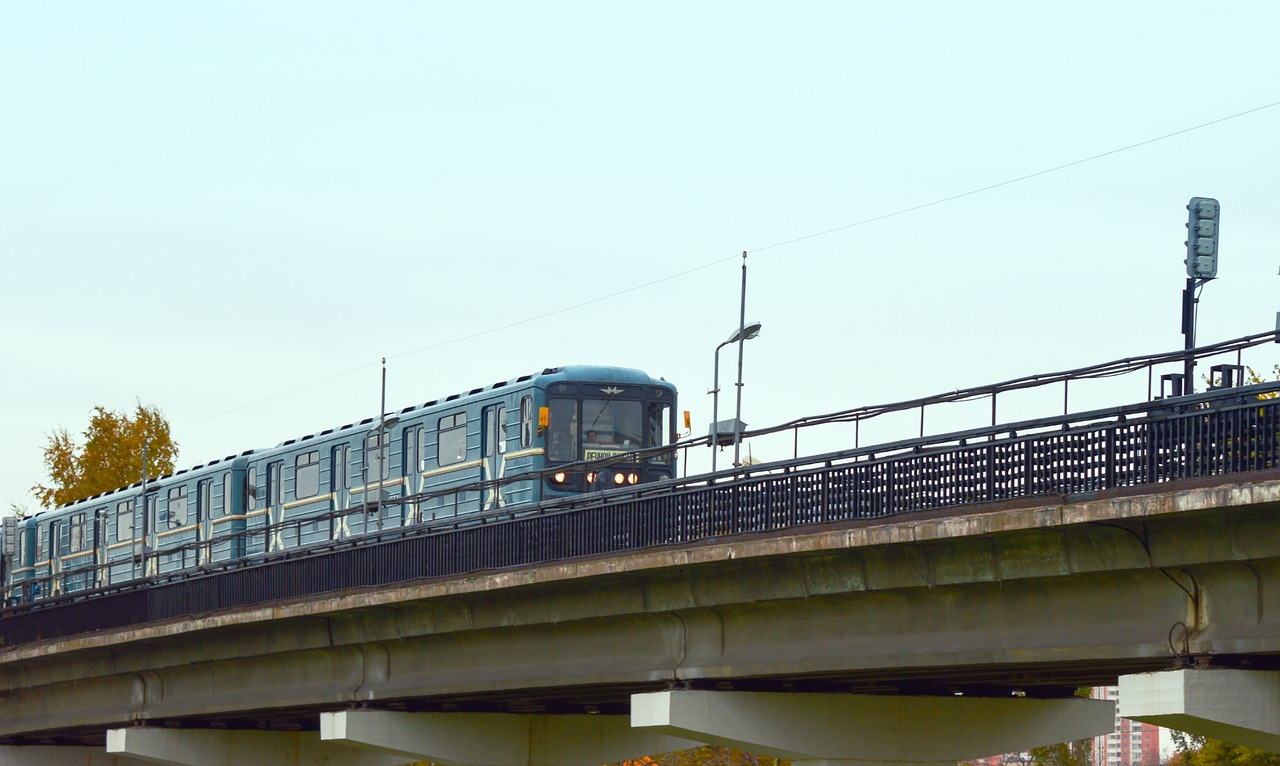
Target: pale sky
[232, 210]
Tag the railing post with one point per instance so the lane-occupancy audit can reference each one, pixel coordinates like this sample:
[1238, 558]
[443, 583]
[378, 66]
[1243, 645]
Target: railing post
[1109, 470]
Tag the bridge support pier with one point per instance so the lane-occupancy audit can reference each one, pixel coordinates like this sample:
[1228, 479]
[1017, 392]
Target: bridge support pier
[208, 747]
[1238, 706]
[870, 728]
[42, 755]
[498, 739]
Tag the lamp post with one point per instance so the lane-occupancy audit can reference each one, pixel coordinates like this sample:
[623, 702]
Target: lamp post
[744, 333]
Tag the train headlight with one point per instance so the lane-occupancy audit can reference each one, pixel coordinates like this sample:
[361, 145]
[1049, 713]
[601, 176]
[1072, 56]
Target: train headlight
[591, 477]
[559, 477]
[632, 478]
[619, 479]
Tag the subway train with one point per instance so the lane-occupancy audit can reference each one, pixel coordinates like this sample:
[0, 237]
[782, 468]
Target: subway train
[560, 432]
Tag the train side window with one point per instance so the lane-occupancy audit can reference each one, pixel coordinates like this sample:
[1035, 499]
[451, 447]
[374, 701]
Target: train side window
[275, 492]
[177, 508]
[563, 445]
[100, 516]
[411, 451]
[76, 529]
[495, 430]
[39, 544]
[227, 489]
[22, 547]
[658, 422]
[338, 479]
[251, 489]
[526, 422]
[452, 440]
[124, 521]
[306, 475]
[376, 449]
[224, 506]
[204, 499]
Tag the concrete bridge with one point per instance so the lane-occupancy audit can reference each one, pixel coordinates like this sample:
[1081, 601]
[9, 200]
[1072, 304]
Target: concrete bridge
[928, 638]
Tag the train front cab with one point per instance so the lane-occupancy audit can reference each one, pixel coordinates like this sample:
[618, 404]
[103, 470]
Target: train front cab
[605, 435]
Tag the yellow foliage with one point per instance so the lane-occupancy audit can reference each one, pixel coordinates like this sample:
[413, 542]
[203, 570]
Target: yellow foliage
[706, 756]
[1216, 753]
[1254, 378]
[111, 457]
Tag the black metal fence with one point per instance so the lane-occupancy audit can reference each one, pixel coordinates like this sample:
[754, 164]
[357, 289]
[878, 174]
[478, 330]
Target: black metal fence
[1223, 432]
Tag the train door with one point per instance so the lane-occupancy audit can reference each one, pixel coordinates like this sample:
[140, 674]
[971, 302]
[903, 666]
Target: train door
[493, 451]
[55, 558]
[228, 537]
[151, 539]
[411, 442]
[275, 505]
[204, 520]
[377, 469]
[99, 533]
[340, 484]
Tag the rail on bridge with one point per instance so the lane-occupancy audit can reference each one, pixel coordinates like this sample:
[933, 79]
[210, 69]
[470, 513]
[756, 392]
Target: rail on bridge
[1107, 453]
[1221, 432]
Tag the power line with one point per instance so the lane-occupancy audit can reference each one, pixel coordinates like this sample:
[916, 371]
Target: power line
[1029, 176]
[734, 257]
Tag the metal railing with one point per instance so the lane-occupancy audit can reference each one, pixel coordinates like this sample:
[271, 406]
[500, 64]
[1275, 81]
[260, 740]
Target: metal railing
[1218, 433]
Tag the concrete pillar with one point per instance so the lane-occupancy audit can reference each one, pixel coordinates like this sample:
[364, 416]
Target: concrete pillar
[206, 747]
[1238, 706]
[498, 739]
[870, 728]
[44, 755]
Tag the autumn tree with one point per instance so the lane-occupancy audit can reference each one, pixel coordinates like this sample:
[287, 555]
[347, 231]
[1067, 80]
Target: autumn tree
[1212, 752]
[110, 458]
[1078, 753]
[707, 755]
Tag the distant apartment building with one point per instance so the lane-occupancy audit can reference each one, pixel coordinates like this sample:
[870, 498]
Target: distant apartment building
[1131, 744]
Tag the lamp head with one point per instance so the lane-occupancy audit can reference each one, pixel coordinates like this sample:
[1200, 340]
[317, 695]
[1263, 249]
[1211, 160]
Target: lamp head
[746, 332]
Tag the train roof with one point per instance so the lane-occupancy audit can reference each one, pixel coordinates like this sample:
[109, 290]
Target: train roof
[567, 372]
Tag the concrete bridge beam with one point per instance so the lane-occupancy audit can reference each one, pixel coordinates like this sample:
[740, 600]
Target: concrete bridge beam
[870, 728]
[1238, 706]
[44, 755]
[190, 747]
[498, 739]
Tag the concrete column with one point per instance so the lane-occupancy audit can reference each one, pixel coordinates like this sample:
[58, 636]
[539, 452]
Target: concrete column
[44, 755]
[205, 747]
[1238, 706]
[498, 739]
[870, 728]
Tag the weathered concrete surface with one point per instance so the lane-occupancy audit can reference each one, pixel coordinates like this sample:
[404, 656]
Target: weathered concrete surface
[1057, 594]
[498, 739]
[240, 748]
[52, 755]
[871, 728]
[1240, 706]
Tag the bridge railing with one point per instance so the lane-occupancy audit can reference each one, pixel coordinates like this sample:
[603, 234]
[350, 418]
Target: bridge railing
[1218, 433]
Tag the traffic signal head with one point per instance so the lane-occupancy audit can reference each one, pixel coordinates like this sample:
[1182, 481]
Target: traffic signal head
[1203, 217]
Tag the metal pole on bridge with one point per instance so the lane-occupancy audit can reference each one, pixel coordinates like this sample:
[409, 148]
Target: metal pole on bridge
[742, 327]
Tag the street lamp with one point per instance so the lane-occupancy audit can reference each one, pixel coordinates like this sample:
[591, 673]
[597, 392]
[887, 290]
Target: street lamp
[742, 334]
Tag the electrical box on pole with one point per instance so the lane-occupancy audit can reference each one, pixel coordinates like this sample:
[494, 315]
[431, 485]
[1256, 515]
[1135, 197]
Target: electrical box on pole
[1204, 214]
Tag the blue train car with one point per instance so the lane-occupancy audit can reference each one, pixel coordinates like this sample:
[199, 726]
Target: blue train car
[560, 432]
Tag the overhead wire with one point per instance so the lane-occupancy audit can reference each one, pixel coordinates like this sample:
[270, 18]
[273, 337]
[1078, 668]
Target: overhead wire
[734, 257]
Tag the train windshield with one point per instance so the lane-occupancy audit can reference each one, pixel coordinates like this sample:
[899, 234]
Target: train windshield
[596, 428]
[611, 427]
